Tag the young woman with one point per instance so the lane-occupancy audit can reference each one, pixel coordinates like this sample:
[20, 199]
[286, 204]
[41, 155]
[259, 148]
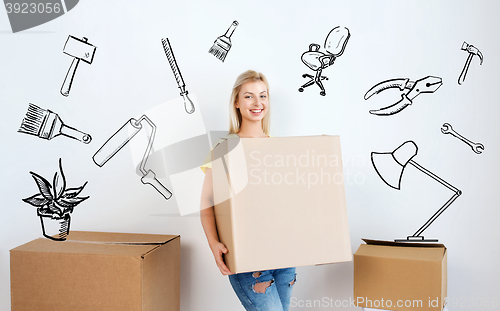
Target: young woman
[268, 290]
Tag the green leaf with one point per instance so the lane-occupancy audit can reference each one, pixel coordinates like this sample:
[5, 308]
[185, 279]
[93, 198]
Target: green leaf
[37, 200]
[43, 185]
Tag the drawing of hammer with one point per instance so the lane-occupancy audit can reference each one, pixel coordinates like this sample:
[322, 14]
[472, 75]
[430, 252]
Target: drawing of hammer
[80, 50]
[472, 51]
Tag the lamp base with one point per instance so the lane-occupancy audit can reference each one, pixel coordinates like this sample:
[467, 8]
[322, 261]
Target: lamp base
[416, 239]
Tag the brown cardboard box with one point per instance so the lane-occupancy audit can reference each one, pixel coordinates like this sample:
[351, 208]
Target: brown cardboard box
[97, 271]
[400, 276]
[280, 202]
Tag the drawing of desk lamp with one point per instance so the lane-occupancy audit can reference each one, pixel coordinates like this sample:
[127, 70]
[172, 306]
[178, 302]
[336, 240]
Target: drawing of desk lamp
[390, 167]
[116, 142]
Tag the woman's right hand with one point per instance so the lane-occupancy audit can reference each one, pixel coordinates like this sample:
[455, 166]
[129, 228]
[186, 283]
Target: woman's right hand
[218, 249]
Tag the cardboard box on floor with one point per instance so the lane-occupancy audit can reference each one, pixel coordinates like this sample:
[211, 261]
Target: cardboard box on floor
[400, 276]
[280, 202]
[97, 271]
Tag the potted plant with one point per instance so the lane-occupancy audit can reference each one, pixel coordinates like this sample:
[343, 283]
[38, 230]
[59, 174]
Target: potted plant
[55, 203]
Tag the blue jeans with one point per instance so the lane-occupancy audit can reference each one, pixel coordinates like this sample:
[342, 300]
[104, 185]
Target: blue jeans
[267, 290]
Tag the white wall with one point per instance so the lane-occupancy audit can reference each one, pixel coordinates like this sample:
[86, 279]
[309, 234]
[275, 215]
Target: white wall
[130, 74]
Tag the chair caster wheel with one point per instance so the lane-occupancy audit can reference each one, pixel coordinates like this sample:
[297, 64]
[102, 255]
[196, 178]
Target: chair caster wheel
[301, 90]
[304, 75]
[322, 93]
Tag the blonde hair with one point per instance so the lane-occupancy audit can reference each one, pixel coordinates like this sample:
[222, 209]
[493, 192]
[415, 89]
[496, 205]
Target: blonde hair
[234, 113]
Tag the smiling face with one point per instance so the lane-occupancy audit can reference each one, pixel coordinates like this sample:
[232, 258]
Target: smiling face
[252, 101]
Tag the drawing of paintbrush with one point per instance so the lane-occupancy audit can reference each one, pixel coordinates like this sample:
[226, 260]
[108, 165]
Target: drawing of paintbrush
[47, 125]
[188, 104]
[223, 43]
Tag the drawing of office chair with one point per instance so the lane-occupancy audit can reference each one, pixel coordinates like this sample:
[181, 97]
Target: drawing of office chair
[317, 61]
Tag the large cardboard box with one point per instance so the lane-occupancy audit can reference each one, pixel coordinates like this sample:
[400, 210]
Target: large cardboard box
[280, 202]
[97, 271]
[400, 276]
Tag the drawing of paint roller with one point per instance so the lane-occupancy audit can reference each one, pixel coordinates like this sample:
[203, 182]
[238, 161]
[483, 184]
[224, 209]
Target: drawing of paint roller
[188, 104]
[119, 139]
[47, 125]
[80, 49]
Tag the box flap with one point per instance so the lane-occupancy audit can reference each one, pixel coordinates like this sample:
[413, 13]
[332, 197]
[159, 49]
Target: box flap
[79, 242]
[401, 250]
[402, 244]
[161, 278]
[119, 238]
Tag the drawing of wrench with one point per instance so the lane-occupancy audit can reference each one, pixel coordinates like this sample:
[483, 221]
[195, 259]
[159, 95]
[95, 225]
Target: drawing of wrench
[476, 147]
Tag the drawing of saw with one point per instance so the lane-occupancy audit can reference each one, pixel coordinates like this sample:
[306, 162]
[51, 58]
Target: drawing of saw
[428, 84]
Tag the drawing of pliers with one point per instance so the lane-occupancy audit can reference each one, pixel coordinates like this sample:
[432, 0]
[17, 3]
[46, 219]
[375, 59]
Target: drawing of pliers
[428, 84]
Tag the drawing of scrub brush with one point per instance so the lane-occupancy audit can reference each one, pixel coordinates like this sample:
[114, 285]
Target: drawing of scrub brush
[47, 125]
[188, 104]
[222, 44]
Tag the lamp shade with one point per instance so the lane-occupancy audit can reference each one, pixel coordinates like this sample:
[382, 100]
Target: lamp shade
[390, 165]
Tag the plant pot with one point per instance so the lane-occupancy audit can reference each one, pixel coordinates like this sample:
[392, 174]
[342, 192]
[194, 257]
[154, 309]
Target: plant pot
[55, 229]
